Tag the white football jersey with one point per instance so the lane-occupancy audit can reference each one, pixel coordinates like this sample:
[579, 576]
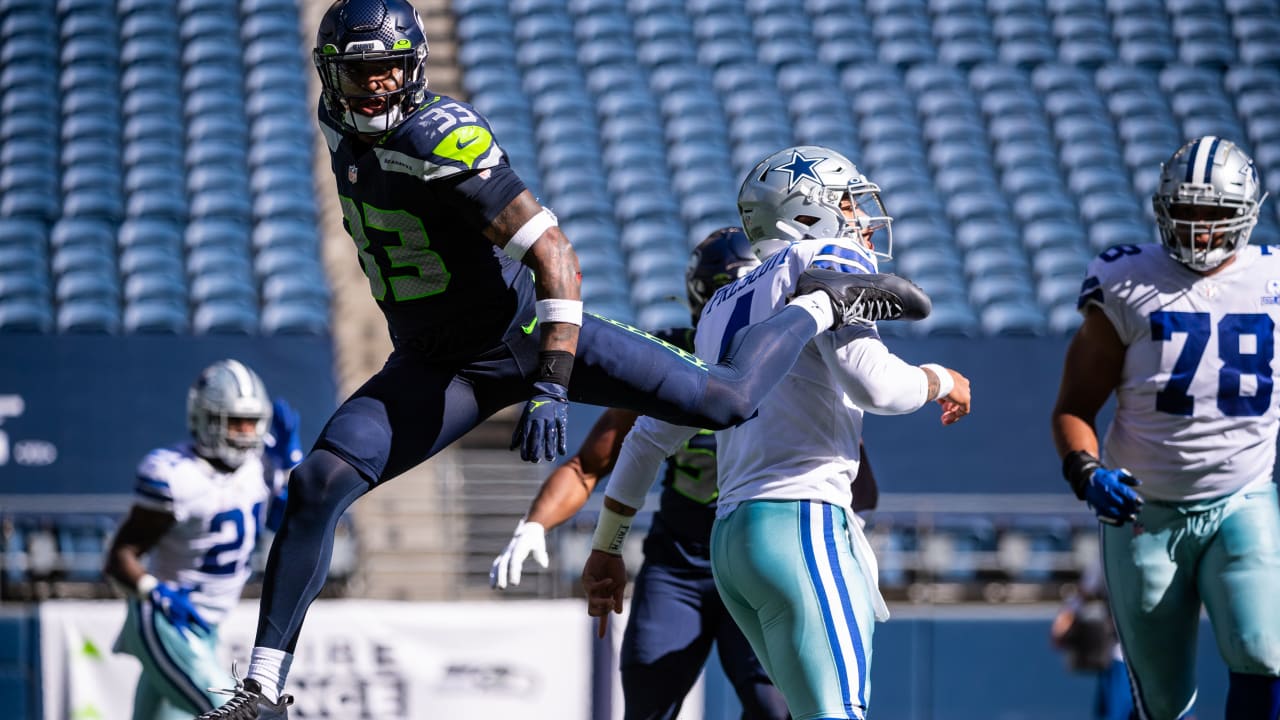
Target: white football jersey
[1196, 414]
[218, 518]
[802, 444]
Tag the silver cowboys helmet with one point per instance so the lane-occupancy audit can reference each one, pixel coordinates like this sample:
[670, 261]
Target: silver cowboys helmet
[225, 390]
[1207, 202]
[799, 192]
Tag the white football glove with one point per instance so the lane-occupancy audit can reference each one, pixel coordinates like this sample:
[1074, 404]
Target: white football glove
[530, 538]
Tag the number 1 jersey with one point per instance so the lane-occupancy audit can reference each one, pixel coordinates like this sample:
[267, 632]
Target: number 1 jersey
[1196, 415]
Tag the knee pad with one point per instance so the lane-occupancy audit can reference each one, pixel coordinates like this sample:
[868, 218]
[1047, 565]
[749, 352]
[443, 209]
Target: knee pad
[321, 480]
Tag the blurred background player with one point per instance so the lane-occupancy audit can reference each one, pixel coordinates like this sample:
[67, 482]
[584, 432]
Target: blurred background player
[198, 510]
[447, 234]
[676, 614]
[1084, 632]
[789, 559]
[1184, 334]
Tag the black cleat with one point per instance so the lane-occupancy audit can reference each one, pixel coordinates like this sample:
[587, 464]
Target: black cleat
[861, 299]
[248, 703]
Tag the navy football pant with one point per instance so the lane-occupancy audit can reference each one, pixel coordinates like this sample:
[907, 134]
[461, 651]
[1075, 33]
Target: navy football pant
[416, 406]
[676, 613]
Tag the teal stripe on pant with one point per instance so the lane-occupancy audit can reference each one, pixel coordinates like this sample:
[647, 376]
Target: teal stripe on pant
[787, 574]
[178, 667]
[1223, 553]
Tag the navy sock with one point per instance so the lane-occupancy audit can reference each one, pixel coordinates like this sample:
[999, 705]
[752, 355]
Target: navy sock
[320, 490]
[1253, 697]
[757, 358]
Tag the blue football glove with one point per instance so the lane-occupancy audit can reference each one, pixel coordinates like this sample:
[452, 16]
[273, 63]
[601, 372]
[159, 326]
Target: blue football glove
[285, 444]
[175, 604]
[1108, 492]
[540, 434]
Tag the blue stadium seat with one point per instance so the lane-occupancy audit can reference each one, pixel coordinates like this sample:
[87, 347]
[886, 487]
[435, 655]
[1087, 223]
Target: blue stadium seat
[155, 317]
[1013, 318]
[25, 315]
[23, 286]
[22, 232]
[91, 316]
[1011, 285]
[87, 285]
[84, 257]
[294, 319]
[288, 289]
[153, 287]
[1103, 235]
[224, 318]
[951, 320]
[1066, 262]
[151, 259]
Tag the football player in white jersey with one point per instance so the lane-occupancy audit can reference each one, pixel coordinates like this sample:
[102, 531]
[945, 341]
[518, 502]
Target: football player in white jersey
[197, 511]
[788, 557]
[1184, 334]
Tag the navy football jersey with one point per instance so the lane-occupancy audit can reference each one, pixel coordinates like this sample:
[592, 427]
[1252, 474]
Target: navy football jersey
[687, 506]
[415, 203]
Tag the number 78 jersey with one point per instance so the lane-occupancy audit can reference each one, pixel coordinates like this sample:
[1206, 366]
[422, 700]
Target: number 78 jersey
[1196, 409]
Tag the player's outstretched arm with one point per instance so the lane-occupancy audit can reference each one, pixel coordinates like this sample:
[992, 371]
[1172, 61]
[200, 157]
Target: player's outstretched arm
[528, 232]
[1090, 373]
[562, 494]
[950, 389]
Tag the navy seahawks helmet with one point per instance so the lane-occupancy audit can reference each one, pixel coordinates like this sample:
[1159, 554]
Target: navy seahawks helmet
[228, 389]
[358, 39]
[722, 257]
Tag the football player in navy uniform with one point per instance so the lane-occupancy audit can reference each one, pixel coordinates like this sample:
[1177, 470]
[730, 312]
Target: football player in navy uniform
[481, 292]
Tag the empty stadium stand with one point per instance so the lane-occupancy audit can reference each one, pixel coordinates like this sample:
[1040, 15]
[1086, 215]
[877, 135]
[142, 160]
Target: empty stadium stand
[164, 181]
[1014, 139]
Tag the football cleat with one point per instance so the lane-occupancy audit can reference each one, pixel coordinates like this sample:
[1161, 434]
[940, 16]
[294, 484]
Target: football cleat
[862, 299]
[248, 703]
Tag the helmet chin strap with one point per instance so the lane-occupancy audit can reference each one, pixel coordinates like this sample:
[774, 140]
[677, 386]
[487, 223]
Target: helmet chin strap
[376, 124]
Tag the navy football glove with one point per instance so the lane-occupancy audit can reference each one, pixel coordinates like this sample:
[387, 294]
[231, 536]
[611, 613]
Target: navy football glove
[1108, 492]
[175, 604]
[540, 434]
[285, 445]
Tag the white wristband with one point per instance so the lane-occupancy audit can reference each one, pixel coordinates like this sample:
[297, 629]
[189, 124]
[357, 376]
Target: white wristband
[558, 310]
[946, 383]
[145, 585]
[611, 530]
[529, 233]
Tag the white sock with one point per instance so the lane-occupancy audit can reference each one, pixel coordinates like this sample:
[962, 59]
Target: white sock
[269, 668]
[817, 304]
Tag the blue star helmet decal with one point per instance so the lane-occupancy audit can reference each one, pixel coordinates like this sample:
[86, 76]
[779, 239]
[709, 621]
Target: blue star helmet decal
[800, 167]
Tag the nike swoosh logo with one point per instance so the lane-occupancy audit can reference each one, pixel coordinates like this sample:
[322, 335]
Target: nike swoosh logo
[528, 329]
[462, 145]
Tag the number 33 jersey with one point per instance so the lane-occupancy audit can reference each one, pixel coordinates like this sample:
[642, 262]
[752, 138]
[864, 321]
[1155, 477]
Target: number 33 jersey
[218, 517]
[1196, 413]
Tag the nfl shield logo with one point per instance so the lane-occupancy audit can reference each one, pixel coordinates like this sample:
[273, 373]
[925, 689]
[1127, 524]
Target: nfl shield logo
[351, 174]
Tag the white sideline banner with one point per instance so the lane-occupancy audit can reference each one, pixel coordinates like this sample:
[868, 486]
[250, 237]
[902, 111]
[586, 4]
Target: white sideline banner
[357, 659]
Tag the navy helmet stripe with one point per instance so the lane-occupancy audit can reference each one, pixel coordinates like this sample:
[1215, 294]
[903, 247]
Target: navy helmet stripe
[1208, 166]
[1191, 162]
